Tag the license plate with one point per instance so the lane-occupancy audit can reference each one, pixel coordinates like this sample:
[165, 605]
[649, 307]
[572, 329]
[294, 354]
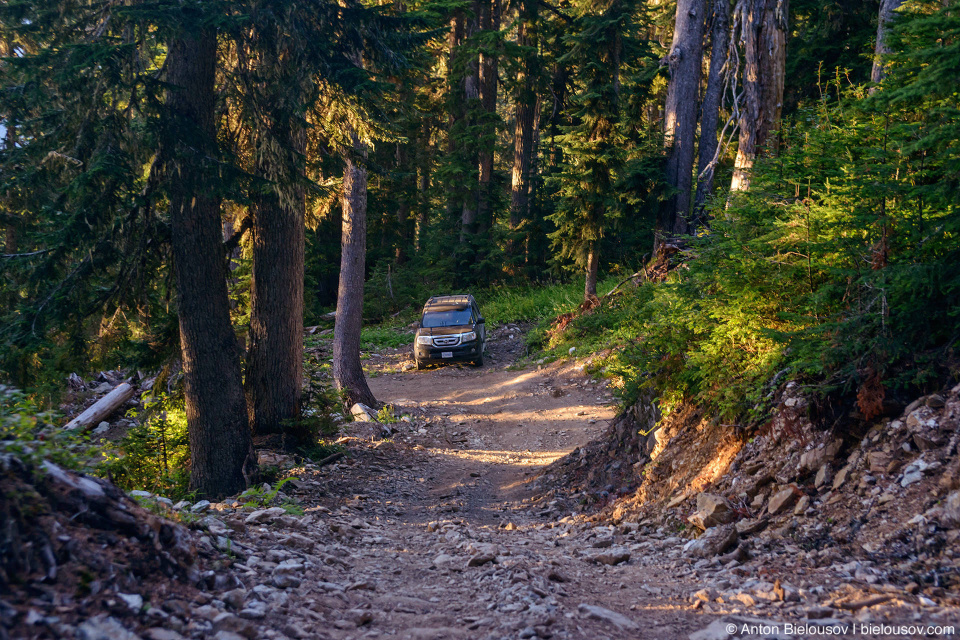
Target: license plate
[446, 354]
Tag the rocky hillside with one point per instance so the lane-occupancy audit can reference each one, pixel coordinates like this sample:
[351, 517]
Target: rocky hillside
[872, 519]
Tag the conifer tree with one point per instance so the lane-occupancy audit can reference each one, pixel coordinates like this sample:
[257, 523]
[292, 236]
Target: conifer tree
[609, 60]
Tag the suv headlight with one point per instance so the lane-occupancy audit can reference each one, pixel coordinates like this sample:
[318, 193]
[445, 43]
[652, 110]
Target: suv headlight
[468, 337]
[424, 340]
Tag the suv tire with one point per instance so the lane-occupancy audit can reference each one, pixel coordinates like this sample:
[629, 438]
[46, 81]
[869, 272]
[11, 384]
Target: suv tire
[420, 365]
[479, 360]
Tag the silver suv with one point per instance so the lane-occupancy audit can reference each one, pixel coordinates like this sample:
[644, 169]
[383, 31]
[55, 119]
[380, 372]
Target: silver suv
[451, 329]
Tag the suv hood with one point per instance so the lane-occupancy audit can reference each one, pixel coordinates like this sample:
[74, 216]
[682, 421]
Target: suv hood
[445, 331]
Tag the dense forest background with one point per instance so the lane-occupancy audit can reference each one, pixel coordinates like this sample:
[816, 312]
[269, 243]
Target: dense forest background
[195, 181]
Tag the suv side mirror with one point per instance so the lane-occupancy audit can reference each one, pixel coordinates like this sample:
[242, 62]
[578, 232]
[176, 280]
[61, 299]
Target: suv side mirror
[480, 320]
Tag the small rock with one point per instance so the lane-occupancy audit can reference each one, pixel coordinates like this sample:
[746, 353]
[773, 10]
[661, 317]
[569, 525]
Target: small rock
[104, 627]
[712, 510]
[911, 477]
[611, 556]
[235, 598]
[158, 633]
[713, 542]
[824, 475]
[842, 477]
[363, 413]
[751, 526]
[285, 581]
[481, 559]
[950, 515]
[606, 615]
[264, 515]
[781, 500]
[200, 507]
[132, 600]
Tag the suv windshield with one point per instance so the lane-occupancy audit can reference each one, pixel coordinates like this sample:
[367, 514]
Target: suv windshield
[452, 318]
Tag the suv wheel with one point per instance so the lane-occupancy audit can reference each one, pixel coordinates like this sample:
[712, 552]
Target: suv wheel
[420, 365]
[478, 362]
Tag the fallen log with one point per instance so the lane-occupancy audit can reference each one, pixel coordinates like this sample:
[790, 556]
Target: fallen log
[102, 407]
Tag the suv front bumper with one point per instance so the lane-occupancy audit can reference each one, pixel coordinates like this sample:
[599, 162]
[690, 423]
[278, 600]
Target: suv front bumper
[428, 353]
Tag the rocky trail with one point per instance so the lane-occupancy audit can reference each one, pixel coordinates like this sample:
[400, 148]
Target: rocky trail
[439, 530]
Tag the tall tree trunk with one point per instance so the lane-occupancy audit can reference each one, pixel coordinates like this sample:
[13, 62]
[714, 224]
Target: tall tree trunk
[407, 193]
[888, 10]
[710, 110]
[471, 92]
[455, 109]
[221, 451]
[275, 356]
[680, 111]
[347, 371]
[593, 268]
[489, 81]
[423, 202]
[526, 109]
[9, 142]
[764, 35]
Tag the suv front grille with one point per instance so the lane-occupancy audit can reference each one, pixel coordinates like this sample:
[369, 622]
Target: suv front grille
[450, 341]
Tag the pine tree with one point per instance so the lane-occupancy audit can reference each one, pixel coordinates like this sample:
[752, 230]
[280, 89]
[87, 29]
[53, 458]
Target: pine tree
[610, 61]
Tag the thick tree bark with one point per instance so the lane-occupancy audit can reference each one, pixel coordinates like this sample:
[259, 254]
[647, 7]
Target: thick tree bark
[888, 10]
[275, 356]
[593, 268]
[347, 371]
[526, 108]
[710, 110]
[764, 36]
[221, 451]
[680, 111]
[489, 82]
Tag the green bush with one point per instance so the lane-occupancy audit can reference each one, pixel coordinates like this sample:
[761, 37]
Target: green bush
[32, 435]
[154, 455]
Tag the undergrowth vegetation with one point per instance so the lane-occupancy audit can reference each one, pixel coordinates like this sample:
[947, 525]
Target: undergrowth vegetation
[840, 267]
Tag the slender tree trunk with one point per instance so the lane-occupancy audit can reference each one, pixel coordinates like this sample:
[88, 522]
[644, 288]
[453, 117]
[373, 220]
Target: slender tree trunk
[680, 111]
[455, 109]
[423, 200]
[275, 356]
[407, 193]
[710, 110]
[526, 108]
[9, 142]
[593, 268]
[489, 84]
[471, 92]
[221, 450]
[764, 36]
[888, 10]
[347, 371]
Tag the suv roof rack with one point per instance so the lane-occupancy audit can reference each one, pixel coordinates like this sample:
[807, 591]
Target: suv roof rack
[462, 299]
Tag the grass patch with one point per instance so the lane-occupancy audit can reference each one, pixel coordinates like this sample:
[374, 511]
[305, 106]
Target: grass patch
[385, 337]
[535, 304]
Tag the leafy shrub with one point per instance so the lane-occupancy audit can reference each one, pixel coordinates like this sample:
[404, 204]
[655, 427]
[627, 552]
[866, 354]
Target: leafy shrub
[32, 435]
